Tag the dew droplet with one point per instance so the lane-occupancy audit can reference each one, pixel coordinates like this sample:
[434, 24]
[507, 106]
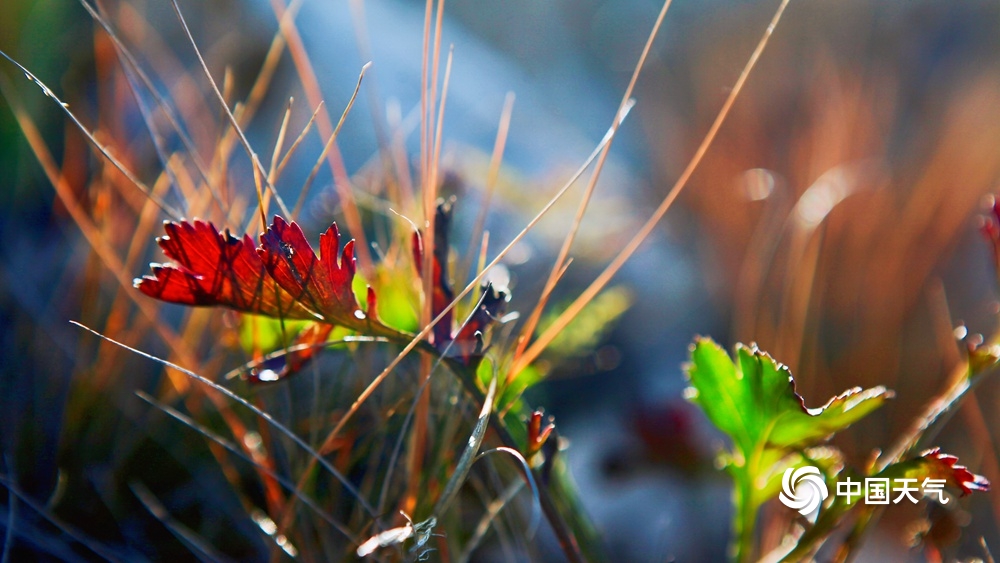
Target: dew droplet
[268, 375]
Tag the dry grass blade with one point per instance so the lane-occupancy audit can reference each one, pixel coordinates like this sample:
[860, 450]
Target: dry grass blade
[986, 550]
[429, 252]
[310, 84]
[484, 247]
[130, 64]
[262, 199]
[270, 66]
[363, 42]
[198, 546]
[550, 283]
[492, 175]
[529, 477]
[486, 521]
[431, 139]
[425, 145]
[254, 409]
[602, 280]
[465, 462]
[96, 547]
[436, 162]
[431, 163]
[229, 114]
[168, 209]
[330, 143]
[279, 143]
[233, 449]
[298, 140]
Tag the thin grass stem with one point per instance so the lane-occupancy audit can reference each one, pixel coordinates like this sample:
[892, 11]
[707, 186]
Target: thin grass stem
[142, 187]
[229, 114]
[529, 326]
[324, 128]
[330, 144]
[254, 409]
[602, 280]
[233, 449]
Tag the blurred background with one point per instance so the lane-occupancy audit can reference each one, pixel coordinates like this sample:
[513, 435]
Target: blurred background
[834, 222]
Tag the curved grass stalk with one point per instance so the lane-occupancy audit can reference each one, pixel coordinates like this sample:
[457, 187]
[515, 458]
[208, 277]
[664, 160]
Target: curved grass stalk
[142, 187]
[254, 409]
[285, 482]
[487, 520]
[329, 144]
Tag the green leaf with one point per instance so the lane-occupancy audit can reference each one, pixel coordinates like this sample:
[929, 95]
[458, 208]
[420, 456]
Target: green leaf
[258, 332]
[593, 322]
[717, 387]
[526, 378]
[755, 403]
[796, 427]
[396, 298]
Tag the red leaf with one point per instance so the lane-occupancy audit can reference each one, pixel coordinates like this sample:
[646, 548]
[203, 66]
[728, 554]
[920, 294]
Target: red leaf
[947, 467]
[469, 338]
[443, 294]
[536, 434]
[305, 347]
[318, 283]
[467, 342]
[322, 284]
[932, 464]
[216, 268]
[282, 278]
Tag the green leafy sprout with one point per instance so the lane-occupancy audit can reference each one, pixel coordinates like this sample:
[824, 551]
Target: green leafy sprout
[753, 401]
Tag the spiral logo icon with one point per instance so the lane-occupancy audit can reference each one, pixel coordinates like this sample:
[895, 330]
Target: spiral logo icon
[803, 489]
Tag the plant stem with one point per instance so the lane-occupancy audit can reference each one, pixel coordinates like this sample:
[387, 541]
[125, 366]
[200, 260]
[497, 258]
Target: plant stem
[813, 538]
[744, 516]
[558, 496]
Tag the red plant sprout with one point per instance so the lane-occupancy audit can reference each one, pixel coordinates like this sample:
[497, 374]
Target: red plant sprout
[946, 466]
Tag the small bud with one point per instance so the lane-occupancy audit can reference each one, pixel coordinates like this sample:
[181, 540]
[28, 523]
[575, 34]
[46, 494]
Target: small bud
[536, 434]
[989, 225]
[982, 356]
